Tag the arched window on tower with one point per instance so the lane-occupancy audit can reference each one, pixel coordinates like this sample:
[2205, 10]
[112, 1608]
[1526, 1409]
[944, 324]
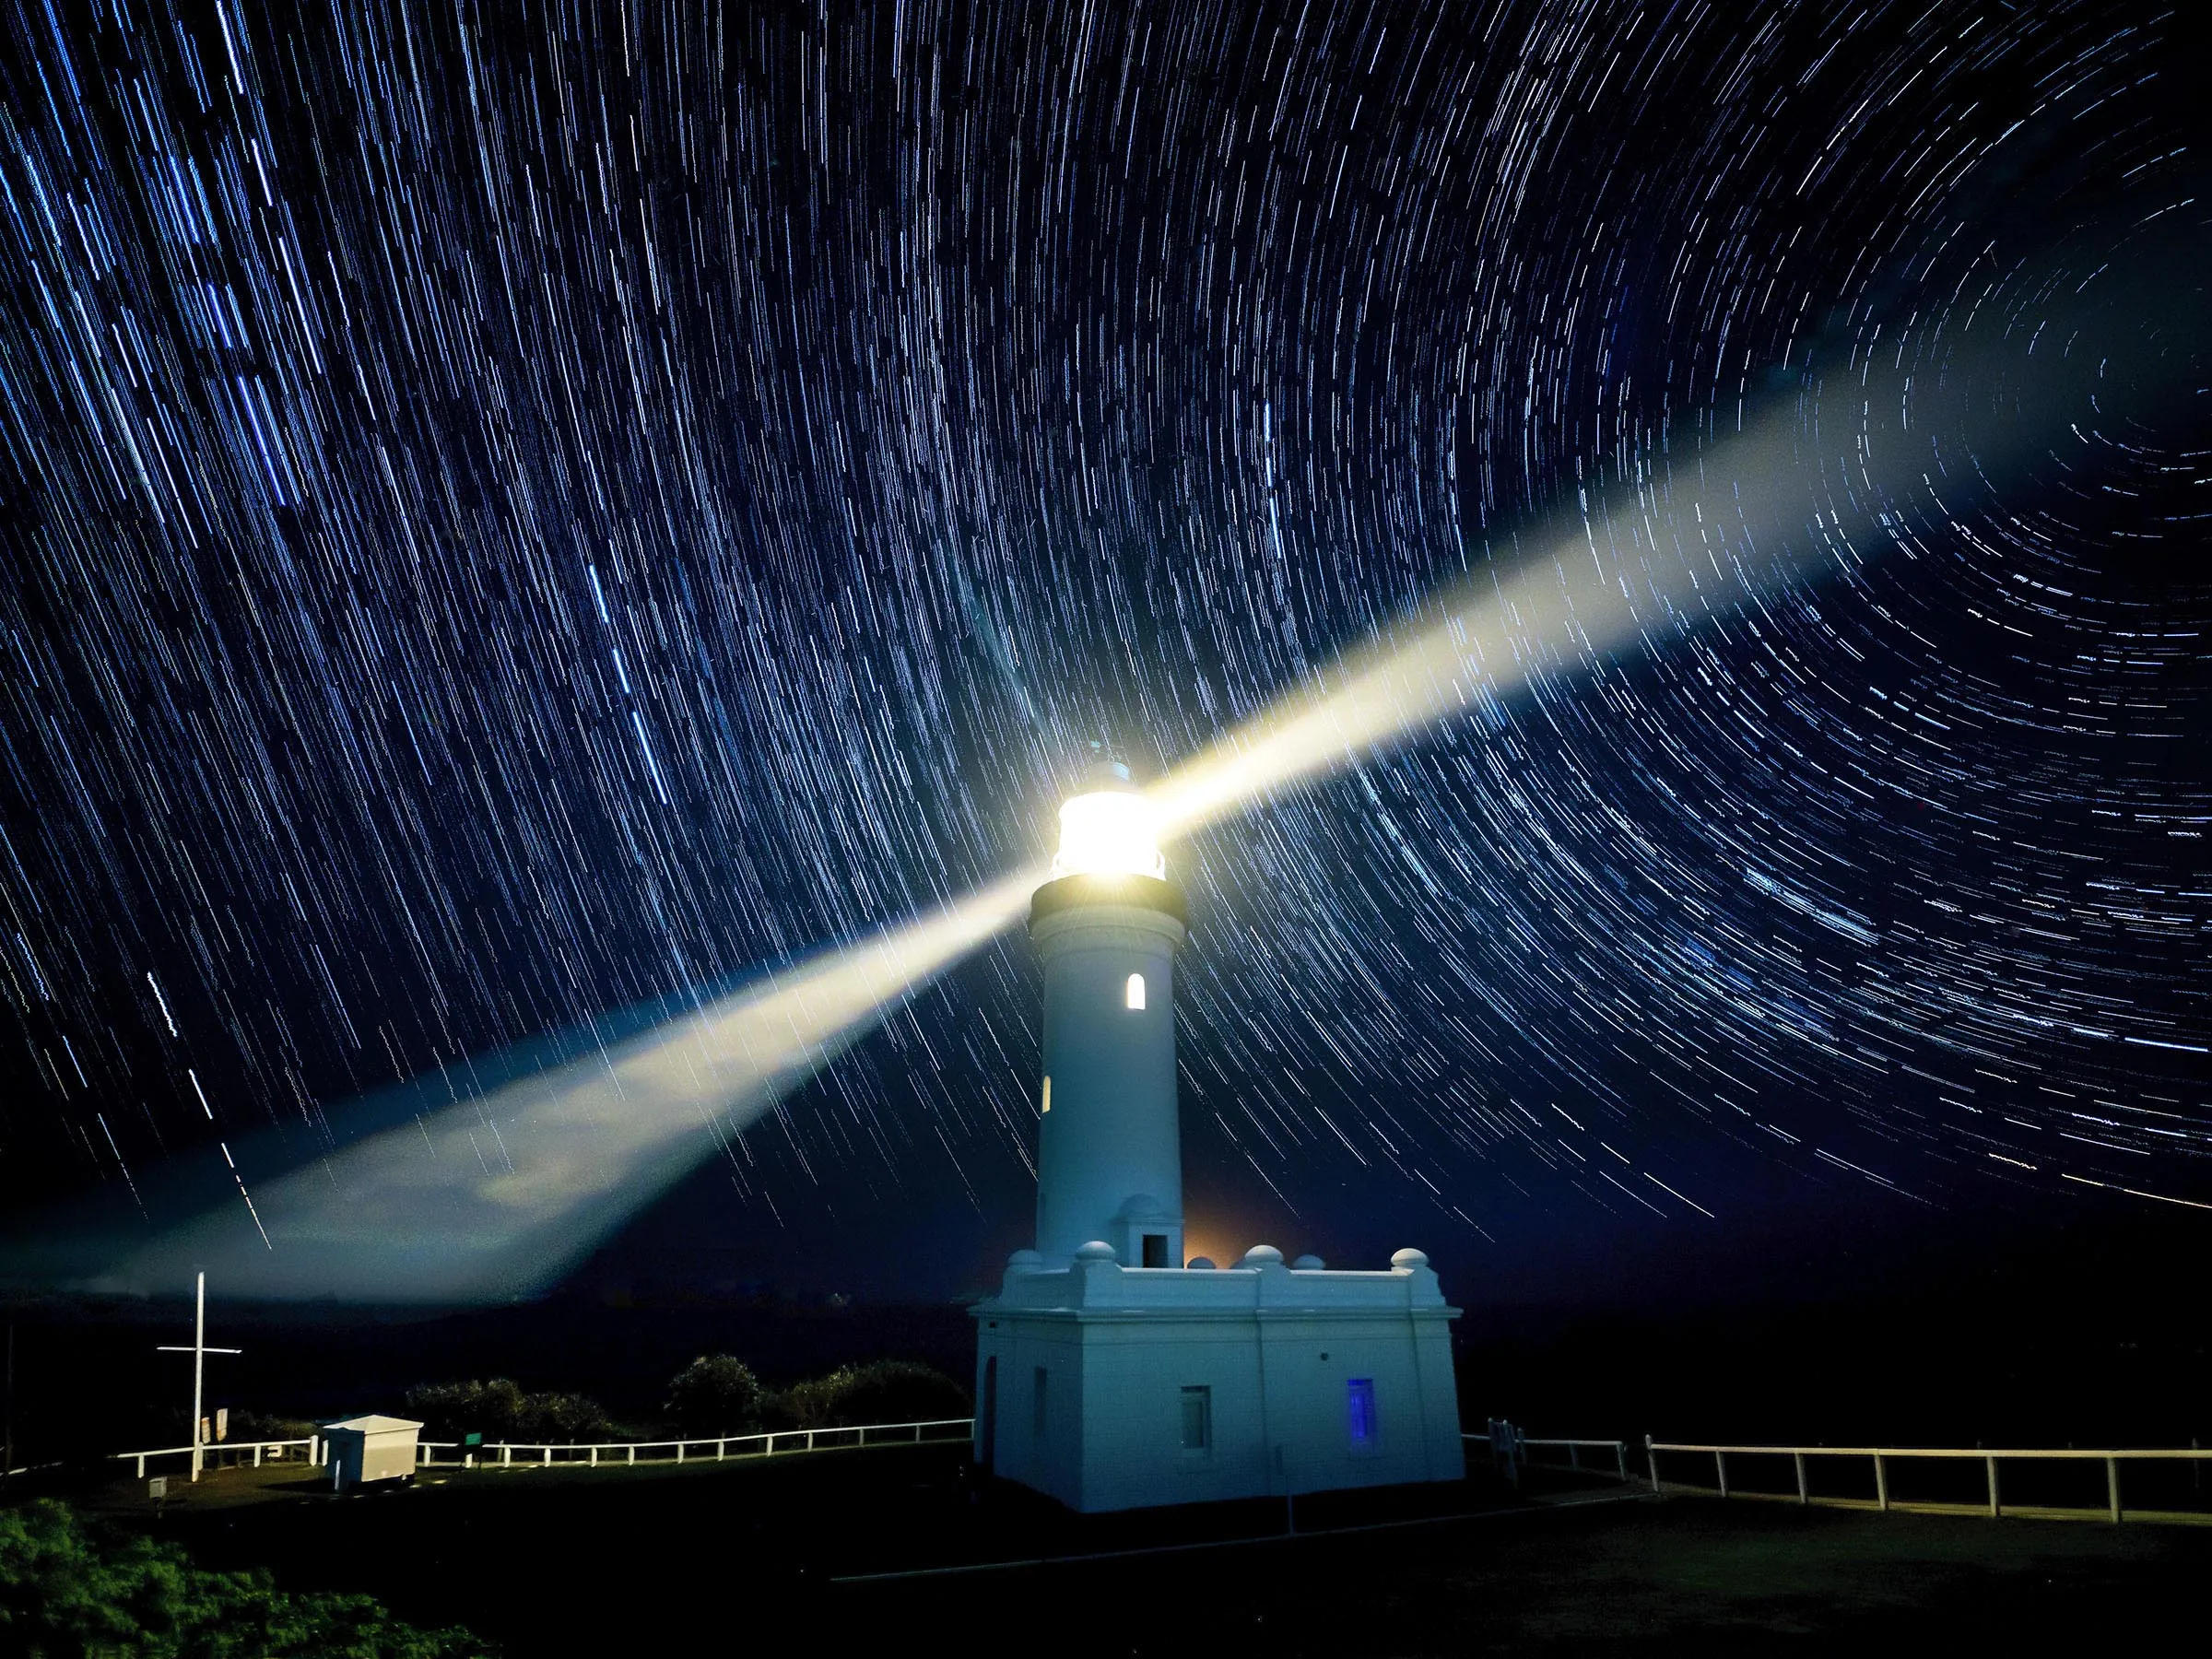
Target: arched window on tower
[1137, 991]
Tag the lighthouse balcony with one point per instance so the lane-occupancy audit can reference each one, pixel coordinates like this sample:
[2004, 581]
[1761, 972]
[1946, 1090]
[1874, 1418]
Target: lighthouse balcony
[1095, 1280]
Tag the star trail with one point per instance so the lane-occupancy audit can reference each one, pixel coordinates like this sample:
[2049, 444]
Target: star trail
[520, 521]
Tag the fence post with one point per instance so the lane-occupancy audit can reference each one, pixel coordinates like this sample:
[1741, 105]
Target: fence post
[722, 1450]
[1881, 1483]
[1651, 1456]
[595, 1457]
[810, 1440]
[633, 1454]
[1575, 1460]
[2112, 1487]
[1720, 1469]
[917, 1435]
[506, 1454]
[142, 1466]
[1620, 1460]
[549, 1452]
[680, 1452]
[1995, 1507]
[1804, 1492]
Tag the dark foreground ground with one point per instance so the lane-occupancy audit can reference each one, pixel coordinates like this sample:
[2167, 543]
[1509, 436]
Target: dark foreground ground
[671, 1560]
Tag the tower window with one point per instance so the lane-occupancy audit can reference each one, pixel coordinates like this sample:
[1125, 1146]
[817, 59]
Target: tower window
[1048, 1094]
[1137, 991]
[1361, 1401]
[1197, 1418]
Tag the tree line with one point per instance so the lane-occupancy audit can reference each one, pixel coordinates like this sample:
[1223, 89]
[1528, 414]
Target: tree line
[716, 1395]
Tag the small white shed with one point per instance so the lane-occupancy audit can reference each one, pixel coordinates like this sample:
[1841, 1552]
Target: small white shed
[369, 1447]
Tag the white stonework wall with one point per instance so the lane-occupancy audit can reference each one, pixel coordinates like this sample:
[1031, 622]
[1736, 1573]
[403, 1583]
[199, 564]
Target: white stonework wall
[1112, 1133]
[1119, 1346]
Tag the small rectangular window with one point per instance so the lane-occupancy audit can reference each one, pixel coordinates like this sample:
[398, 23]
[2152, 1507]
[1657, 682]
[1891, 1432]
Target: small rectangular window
[1155, 1250]
[1361, 1400]
[1197, 1420]
[1048, 1094]
[1137, 991]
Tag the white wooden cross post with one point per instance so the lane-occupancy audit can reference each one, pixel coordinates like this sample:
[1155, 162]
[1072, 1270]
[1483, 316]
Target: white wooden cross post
[199, 1350]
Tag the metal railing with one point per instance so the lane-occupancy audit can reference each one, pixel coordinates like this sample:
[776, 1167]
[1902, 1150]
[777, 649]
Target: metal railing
[1517, 1447]
[779, 1442]
[277, 1451]
[1993, 1505]
[1619, 1449]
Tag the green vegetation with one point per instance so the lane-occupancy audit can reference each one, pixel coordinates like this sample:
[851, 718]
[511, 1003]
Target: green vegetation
[500, 1410]
[716, 1395]
[889, 1391]
[68, 1591]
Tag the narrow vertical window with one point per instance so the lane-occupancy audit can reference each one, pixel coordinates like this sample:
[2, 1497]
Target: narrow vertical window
[1361, 1403]
[1197, 1418]
[1048, 1094]
[1137, 990]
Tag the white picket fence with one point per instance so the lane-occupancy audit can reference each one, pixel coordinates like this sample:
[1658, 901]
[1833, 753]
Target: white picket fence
[1883, 1457]
[781, 1443]
[219, 1454]
[715, 1448]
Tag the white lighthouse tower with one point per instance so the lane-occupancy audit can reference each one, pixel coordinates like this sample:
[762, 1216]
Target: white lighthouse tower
[1108, 1153]
[1109, 1373]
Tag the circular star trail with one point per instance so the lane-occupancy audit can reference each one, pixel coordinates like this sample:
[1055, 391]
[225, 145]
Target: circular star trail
[513, 514]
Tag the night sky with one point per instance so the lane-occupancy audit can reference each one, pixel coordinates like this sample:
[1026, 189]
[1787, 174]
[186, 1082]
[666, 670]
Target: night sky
[514, 514]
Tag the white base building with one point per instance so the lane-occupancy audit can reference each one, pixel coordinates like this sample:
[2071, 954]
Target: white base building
[1112, 1387]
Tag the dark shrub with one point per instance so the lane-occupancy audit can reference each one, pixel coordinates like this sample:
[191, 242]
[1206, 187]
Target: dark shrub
[887, 1391]
[451, 1410]
[561, 1417]
[499, 1411]
[716, 1395]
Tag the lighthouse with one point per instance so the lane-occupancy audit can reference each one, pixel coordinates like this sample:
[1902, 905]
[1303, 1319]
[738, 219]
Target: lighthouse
[1111, 1374]
[1106, 929]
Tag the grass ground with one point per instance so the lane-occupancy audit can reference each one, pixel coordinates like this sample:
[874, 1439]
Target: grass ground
[580, 1561]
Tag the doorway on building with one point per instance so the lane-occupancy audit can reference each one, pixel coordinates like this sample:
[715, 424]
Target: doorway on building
[987, 1437]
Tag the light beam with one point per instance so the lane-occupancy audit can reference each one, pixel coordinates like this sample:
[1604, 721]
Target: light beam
[496, 1196]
